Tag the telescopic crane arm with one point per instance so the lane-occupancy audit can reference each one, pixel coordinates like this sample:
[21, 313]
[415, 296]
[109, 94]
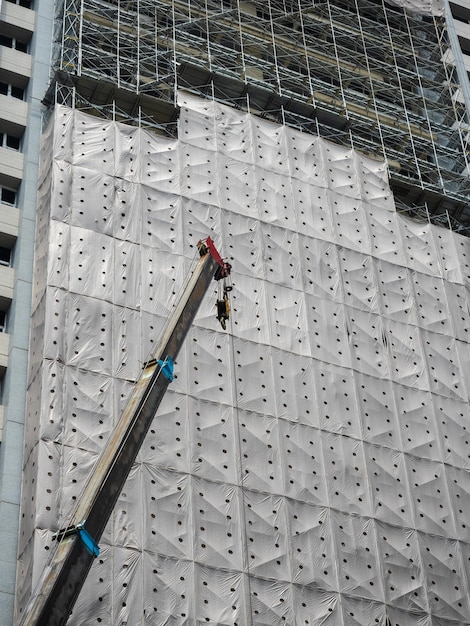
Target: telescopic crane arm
[77, 545]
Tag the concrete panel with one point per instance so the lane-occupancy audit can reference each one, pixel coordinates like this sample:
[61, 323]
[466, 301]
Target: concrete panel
[4, 347]
[15, 66]
[9, 221]
[11, 167]
[7, 282]
[13, 115]
[17, 21]
[462, 29]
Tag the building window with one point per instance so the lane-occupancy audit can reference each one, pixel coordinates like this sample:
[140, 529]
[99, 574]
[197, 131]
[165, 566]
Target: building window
[8, 196]
[23, 3]
[10, 90]
[10, 42]
[8, 141]
[3, 321]
[5, 256]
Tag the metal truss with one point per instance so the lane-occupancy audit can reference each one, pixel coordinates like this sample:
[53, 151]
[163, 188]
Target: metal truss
[359, 72]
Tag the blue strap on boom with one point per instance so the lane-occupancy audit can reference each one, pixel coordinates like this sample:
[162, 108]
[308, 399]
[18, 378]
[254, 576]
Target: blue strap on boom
[167, 367]
[90, 544]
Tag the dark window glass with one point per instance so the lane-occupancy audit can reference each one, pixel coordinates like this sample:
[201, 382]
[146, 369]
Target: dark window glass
[5, 256]
[8, 196]
[17, 92]
[6, 41]
[12, 142]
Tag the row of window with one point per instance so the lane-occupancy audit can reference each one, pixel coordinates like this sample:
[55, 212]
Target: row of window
[22, 3]
[15, 44]
[10, 90]
[9, 196]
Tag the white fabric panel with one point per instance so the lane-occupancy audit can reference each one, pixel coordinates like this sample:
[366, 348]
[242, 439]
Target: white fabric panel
[316, 606]
[446, 245]
[76, 465]
[160, 164]
[271, 602]
[220, 596]
[458, 307]
[303, 468]
[336, 399]
[380, 422]
[64, 175]
[390, 495]
[443, 363]
[213, 436]
[216, 515]
[359, 280]
[168, 529]
[255, 378]
[409, 364]
[93, 143]
[369, 350]
[59, 257]
[313, 205]
[433, 313]
[161, 220]
[291, 374]
[452, 419]
[396, 292]
[261, 457]
[89, 211]
[426, 7]
[309, 465]
[419, 433]
[444, 576]
[89, 336]
[168, 589]
[430, 496]
[168, 443]
[321, 269]
[358, 567]
[359, 612]
[347, 488]
[404, 581]
[328, 339]
[386, 239]
[419, 244]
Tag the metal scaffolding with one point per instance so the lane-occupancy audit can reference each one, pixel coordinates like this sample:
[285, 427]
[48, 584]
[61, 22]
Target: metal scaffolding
[361, 73]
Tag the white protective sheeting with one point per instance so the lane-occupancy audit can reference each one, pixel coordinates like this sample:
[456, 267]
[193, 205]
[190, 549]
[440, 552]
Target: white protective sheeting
[422, 7]
[308, 466]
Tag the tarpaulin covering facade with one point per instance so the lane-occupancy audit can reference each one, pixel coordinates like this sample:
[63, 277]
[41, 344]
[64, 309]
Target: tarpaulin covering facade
[309, 465]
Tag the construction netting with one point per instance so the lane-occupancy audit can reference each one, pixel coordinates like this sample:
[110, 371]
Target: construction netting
[309, 465]
[421, 7]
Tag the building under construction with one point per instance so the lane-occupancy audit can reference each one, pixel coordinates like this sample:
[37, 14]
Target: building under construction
[309, 465]
[363, 74]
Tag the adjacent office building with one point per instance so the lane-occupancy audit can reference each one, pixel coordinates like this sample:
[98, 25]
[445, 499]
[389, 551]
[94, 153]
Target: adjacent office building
[309, 465]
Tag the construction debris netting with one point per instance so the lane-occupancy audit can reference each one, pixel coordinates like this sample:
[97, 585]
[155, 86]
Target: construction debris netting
[309, 465]
[421, 7]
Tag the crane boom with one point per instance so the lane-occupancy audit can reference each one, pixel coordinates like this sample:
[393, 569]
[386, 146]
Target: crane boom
[61, 582]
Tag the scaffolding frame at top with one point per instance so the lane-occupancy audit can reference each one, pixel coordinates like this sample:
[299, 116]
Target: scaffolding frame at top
[361, 73]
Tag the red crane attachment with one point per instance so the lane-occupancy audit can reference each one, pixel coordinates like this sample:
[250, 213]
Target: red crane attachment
[222, 275]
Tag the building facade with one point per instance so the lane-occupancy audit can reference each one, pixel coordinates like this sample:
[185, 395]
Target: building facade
[26, 33]
[308, 466]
